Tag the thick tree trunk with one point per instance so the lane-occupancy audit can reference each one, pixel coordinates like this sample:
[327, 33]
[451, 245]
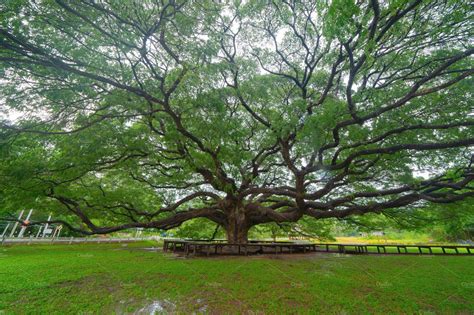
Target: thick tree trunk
[237, 234]
[237, 227]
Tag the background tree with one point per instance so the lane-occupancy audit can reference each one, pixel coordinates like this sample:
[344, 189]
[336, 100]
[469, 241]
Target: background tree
[149, 114]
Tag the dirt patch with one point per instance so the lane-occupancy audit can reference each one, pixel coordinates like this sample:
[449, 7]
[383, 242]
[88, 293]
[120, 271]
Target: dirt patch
[78, 283]
[283, 256]
[90, 283]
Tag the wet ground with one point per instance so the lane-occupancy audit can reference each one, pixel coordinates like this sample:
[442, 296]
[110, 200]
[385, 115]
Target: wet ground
[163, 306]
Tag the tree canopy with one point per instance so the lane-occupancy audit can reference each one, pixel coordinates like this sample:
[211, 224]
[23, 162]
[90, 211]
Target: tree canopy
[122, 114]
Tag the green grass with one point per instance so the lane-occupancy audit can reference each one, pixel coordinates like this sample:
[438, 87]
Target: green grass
[116, 279]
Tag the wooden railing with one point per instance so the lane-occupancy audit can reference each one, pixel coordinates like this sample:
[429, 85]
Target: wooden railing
[268, 247]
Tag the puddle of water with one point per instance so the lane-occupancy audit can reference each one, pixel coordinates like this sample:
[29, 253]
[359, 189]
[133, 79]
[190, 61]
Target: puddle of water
[338, 255]
[148, 249]
[203, 308]
[151, 249]
[85, 255]
[157, 307]
[167, 307]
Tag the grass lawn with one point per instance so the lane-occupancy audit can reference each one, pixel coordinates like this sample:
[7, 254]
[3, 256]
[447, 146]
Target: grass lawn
[118, 278]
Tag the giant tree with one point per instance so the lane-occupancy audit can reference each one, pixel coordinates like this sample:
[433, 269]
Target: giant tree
[125, 114]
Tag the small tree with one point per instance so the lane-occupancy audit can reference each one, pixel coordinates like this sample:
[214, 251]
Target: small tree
[149, 114]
